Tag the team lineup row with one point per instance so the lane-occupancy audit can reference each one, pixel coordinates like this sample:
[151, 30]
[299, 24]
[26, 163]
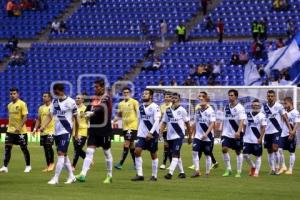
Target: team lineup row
[272, 124]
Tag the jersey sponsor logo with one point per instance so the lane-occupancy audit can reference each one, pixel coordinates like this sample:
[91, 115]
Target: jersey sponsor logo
[232, 122]
[175, 126]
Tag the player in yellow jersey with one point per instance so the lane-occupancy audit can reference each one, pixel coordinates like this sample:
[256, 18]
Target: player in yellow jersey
[47, 139]
[82, 131]
[127, 110]
[163, 107]
[16, 131]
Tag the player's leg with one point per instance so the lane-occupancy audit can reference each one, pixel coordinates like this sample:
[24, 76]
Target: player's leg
[215, 164]
[76, 145]
[226, 143]
[42, 143]
[292, 149]
[207, 152]
[258, 150]
[125, 152]
[239, 157]
[166, 151]
[196, 150]
[108, 158]
[275, 147]
[23, 140]
[247, 151]
[49, 153]
[271, 156]
[282, 144]
[9, 141]
[139, 146]
[154, 166]
[175, 146]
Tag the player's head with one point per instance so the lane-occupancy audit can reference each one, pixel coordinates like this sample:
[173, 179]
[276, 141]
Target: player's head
[126, 93]
[203, 97]
[99, 87]
[79, 99]
[147, 95]
[271, 96]
[256, 106]
[233, 95]
[59, 89]
[167, 97]
[14, 94]
[288, 103]
[175, 98]
[47, 97]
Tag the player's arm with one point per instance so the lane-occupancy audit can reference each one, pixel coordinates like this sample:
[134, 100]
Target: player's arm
[118, 114]
[24, 114]
[210, 128]
[37, 124]
[286, 121]
[155, 126]
[189, 131]
[163, 124]
[297, 125]
[46, 122]
[242, 117]
[76, 125]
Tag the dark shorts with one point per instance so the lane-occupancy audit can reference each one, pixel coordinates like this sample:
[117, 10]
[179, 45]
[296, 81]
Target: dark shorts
[202, 146]
[288, 145]
[150, 145]
[165, 136]
[79, 143]
[62, 142]
[271, 139]
[16, 139]
[47, 140]
[232, 143]
[175, 146]
[98, 140]
[130, 136]
[253, 149]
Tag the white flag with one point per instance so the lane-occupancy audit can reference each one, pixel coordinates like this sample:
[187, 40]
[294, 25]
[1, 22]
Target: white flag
[251, 75]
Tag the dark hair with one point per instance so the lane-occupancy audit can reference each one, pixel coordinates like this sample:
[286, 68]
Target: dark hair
[289, 99]
[203, 92]
[150, 91]
[59, 86]
[271, 92]
[206, 96]
[14, 89]
[49, 94]
[235, 92]
[126, 88]
[256, 101]
[167, 93]
[176, 94]
[100, 82]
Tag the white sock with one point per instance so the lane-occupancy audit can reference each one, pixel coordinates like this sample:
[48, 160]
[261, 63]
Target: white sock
[292, 161]
[173, 165]
[226, 158]
[109, 161]
[257, 165]
[277, 160]
[249, 160]
[180, 166]
[281, 158]
[139, 166]
[239, 162]
[154, 167]
[196, 160]
[69, 167]
[271, 161]
[59, 166]
[87, 161]
[208, 164]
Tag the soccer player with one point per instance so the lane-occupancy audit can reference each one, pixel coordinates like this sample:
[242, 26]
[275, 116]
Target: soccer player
[47, 139]
[79, 142]
[255, 126]
[232, 135]
[205, 119]
[163, 107]
[147, 138]
[274, 112]
[64, 111]
[176, 118]
[16, 130]
[128, 111]
[288, 139]
[100, 131]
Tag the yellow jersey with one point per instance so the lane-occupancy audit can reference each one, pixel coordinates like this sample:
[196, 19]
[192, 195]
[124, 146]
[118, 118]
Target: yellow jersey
[83, 122]
[15, 112]
[129, 110]
[44, 111]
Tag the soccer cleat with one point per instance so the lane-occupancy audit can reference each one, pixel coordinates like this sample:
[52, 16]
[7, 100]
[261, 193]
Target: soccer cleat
[71, 180]
[80, 178]
[51, 167]
[214, 166]
[138, 178]
[27, 169]
[118, 166]
[282, 170]
[238, 175]
[153, 178]
[53, 181]
[4, 170]
[227, 173]
[45, 170]
[108, 180]
[168, 176]
[192, 167]
[196, 175]
[273, 173]
[289, 172]
[168, 168]
[162, 167]
[182, 175]
[206, 175]
[252, 171]
[255, 175]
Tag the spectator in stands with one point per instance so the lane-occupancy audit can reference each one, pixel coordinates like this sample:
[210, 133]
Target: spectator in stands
[151, 49]
[262, 30]
[209, 24]
[202, 70]
[290, 28]
[55, 26]
[12, 44]
[257, 49]
[270, 47]
[216, 68]
[255, 30]
[285, 78]
[243, 57]
[220, 29]
[10, 8]
[280, 5]
[25, 5]
[88, 2]
[173, 82]
[163, 31]
[161, 83]
[235, 59]
[181, 33]
[17, 59]
[204, 4]
[62, 27]
[192, 71]
[279, 43]
[189, 81]
[144, 31]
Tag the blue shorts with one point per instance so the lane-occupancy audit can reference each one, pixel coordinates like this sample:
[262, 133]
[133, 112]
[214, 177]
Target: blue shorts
[232, 143]
[254, 149]
[202, 146]
[62, 142]
[271, 139]
[175, 146]
[150, 145]
[288, 145]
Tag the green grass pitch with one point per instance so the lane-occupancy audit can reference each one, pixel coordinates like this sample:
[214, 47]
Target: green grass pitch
[17, 185]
